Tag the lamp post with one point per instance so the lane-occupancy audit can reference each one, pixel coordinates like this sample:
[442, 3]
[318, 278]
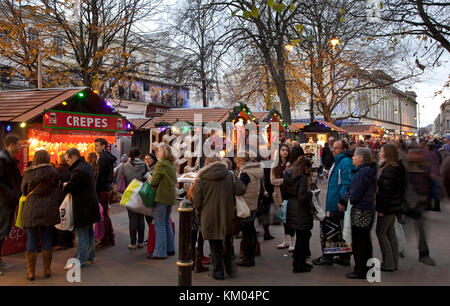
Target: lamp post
[334, 42]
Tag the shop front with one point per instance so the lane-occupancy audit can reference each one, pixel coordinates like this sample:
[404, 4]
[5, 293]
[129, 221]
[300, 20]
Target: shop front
[56, 120]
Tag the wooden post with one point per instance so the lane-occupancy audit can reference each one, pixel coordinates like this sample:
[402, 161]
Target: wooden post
[185, 260]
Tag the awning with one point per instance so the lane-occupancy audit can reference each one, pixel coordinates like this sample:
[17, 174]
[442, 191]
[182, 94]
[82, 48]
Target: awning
[213, 114]
[364, 130]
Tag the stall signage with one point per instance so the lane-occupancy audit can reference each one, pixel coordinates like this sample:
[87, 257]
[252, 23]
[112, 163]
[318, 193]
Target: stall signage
[56, 119]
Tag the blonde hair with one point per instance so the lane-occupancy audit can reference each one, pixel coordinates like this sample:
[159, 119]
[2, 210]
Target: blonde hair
[166, 152]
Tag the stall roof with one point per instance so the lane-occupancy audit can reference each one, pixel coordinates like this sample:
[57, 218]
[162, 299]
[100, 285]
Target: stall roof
[260, 115]
[296, 126]
[364, 129]
[24, 105]
[139, 123]
[331, 125]
[218, 114]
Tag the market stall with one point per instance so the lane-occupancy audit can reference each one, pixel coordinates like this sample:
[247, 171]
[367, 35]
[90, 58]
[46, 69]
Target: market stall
[364, 131]
[55, 120]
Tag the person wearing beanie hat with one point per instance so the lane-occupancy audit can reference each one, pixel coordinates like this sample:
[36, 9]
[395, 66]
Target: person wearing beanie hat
[124, 158]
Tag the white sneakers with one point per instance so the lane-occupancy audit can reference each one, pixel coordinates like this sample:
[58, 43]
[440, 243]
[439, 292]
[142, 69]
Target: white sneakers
[291, 244]
[285, 243]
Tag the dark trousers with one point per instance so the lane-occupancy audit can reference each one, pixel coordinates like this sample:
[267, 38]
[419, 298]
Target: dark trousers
[62, 238]
[6, 221]
[197, 237]
[249, 237]
[103, 198]
[362, 249]
[221, 257]
[301, 248]
[136, 226]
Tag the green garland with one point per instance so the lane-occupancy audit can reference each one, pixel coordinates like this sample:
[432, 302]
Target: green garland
[271, 114]
[237, 110]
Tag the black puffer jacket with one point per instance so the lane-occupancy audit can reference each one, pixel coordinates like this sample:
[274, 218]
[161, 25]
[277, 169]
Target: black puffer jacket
[105, 172]
[295, 190]
[10, 179]
[84, 196]
[391, 189]
[42, 207]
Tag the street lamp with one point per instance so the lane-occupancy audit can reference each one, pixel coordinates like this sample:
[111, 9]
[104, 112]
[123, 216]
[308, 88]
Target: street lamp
[334, 42]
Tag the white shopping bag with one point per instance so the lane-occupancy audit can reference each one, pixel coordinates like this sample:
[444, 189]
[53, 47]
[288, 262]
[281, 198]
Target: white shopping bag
[66, 214]
[241, 207]
[319, 213]
[132, 200]
[347, 230]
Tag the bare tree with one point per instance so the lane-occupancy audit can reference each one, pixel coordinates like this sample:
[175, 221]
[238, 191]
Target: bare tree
[198, 33]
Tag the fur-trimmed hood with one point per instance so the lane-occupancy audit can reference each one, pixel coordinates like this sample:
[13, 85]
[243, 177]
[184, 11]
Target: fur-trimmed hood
[215, 171]
[33, 167]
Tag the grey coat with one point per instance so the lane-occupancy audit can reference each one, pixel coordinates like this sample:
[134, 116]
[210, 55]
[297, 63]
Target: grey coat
[42, 207]
[136, 170]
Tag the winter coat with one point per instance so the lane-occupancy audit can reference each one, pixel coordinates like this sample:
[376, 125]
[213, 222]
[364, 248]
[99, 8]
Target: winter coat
[391, 189]
[339, 180]
[276, 182]
[164, 179]
[255, 173]
[84, 196]
[445, 173]
[10, 180]
[214, 197]
[42, 207]
[267, 184]
[327, 157]
[63, 172]
[362, 189]
[418, 189]
[433, 160]
[105, 171]
[295, 190]
[136, 170]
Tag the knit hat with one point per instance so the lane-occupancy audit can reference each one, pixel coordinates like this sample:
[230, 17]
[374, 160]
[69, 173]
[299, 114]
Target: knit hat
[124, 158]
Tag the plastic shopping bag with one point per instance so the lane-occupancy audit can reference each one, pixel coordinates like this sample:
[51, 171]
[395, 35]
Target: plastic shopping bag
[132, 200]
[66, 214]
[282, 211]
[347, 230]
[319, 213]
[147, 194]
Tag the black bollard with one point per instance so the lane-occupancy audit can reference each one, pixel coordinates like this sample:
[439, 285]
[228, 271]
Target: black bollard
[185, 260]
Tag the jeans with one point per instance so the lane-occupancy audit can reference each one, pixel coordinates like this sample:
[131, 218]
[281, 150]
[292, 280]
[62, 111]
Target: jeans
[362, 249]
[301, 248]
[136, 225]
[6, 219]
[249, 237]
[221, 257]
[84, 237]
[423, 246]
[33, 238]
[165, 241]
[103, 198]
[388, 241]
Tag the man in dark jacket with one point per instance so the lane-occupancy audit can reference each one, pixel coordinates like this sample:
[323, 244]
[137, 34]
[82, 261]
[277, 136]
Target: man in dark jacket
[105, 175]
[327, 154]
[10, 180]
[85, 205]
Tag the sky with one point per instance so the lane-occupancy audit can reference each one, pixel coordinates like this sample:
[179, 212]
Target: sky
[434, 80]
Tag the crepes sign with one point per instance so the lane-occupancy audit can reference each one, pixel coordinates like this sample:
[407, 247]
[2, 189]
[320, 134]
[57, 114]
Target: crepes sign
[56, 119]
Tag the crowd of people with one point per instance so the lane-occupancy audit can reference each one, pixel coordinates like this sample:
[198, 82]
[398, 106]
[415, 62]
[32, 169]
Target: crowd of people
[384, 184]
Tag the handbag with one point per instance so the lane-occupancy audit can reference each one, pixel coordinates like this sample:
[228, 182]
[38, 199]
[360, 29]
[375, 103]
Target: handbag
[361, 218]
[132, 200]
[122, 184]
[22, 201]
[277, 199]
[147, 194]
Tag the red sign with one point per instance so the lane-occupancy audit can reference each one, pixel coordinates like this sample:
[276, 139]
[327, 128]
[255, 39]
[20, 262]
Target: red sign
[56, 119]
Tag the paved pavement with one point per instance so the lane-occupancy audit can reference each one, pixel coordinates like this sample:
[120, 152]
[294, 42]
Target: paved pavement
[119, 266]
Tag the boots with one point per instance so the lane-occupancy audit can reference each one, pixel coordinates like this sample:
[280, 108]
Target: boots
[241, 249]
[47, 258]
[285, 243]
[291, 243]
[198, 267]
[30, 258]
[258, 249]
[437, 205]
[267, 235]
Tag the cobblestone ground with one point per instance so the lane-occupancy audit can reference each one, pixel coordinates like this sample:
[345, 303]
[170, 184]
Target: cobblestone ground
[119, 266]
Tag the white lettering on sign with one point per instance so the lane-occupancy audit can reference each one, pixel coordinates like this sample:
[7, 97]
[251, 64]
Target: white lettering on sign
[105, 122]
[68, 121]
[97, 122]
[88, 122]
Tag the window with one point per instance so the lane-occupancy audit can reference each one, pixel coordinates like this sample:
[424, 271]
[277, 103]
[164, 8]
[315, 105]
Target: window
[59, 46]
[133, 63]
